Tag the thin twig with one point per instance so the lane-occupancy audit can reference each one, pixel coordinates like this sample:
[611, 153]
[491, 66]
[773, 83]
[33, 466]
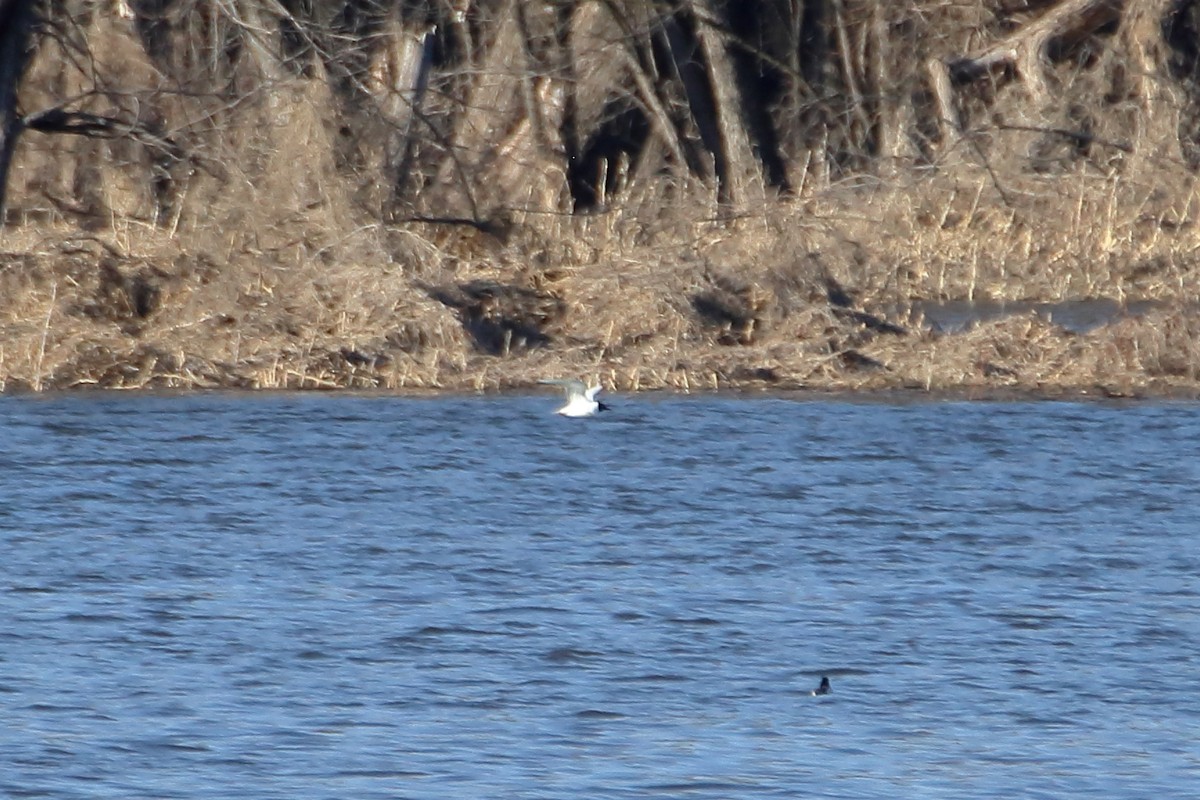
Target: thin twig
[37, 380]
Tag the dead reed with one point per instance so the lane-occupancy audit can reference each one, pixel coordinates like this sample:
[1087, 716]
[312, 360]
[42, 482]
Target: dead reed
[810, 294]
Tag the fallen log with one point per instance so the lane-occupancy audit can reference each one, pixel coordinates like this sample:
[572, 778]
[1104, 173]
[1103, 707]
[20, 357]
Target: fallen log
[1023, 52]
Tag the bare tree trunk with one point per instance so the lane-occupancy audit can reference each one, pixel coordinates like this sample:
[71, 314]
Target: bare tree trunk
[16, 23]
[889, 108]
[706, 71]
[1159, 99]
[737, 166]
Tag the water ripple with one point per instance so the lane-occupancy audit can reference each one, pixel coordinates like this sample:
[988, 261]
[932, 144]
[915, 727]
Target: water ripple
[319, 596]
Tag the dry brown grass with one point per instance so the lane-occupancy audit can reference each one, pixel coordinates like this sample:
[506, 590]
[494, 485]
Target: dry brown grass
[682, 301]
[274, 269]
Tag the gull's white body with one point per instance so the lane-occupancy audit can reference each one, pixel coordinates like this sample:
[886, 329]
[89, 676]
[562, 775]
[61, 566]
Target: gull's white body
[581, 400]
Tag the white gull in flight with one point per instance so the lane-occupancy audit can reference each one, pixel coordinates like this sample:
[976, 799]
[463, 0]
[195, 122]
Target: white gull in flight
[581, 401]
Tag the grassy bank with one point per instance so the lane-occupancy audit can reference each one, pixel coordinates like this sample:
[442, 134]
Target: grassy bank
[291, 237]
[814, 293]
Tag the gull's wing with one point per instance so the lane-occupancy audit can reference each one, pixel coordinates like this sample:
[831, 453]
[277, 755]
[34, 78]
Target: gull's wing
[572, 387]
[591, 393]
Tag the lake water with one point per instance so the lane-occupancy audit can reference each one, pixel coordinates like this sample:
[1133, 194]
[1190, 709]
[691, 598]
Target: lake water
[331, 596]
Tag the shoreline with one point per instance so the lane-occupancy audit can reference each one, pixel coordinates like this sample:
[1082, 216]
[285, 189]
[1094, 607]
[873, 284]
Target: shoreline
[132, 325]
[889, 396]
[771, 302]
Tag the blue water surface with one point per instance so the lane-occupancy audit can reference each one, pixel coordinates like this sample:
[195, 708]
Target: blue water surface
[337, 596]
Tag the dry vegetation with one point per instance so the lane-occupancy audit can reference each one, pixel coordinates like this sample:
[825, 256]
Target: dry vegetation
[689, 195]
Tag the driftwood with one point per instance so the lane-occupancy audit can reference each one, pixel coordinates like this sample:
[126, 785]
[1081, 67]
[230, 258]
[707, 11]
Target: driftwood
[1023, 51]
